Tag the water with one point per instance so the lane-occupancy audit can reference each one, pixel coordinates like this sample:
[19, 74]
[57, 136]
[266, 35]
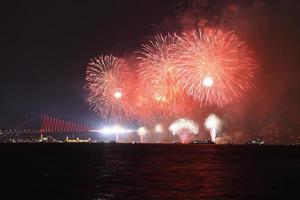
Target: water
[136, 171]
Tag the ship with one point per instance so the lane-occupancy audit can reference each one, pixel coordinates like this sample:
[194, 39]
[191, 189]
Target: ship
[202, 142]
[77, 140]
[253, 142]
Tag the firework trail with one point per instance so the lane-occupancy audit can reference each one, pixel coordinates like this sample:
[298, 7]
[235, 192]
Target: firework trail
[213, 124]
[216, 67]
[142, 131]
[108, 86]
[185, 129]
[158, 60]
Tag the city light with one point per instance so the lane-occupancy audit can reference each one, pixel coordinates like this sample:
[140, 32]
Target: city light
[105, 130]
[116, 129]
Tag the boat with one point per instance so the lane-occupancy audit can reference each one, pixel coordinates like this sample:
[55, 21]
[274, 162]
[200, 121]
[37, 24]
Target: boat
[77, 140]
[202, 142]
[253, 142]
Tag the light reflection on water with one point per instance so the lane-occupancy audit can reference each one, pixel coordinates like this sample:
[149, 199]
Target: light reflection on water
[139, 171]
[195, 172]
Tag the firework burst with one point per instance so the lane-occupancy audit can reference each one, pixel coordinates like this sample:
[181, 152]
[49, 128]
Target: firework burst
[108, 86]
[185, 129]
[216, 67]
[173, 75]
[158, 60]
[213, 124]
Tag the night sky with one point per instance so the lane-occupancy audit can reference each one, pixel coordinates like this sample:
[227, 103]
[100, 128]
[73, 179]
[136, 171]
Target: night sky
[46, 46]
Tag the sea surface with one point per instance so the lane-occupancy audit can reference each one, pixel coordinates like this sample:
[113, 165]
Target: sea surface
[149, 171]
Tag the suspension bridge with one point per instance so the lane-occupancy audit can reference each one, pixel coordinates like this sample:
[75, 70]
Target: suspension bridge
[44, 123]
[44, 126]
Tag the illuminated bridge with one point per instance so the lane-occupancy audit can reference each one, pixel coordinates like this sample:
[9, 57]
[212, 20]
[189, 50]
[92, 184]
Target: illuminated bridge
[43, 125]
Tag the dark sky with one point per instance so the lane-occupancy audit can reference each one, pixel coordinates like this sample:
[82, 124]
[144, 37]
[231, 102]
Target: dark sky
[47, 45]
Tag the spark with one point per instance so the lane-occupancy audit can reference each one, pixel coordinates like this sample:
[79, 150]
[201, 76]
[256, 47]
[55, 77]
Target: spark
[107, 82]
[142, 131]
[118, 94]
[185, 129]
[208, 81]
[158, 60]
[216, 67]
[214, 124]
[158, 128]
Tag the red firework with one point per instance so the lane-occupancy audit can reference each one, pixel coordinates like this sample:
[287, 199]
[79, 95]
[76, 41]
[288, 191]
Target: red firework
[108, 86]
[216, 67]
[158, 61]
[139, 105]
[210, 67]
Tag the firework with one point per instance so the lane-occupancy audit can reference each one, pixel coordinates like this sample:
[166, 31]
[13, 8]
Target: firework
[158, 128]
[185, 129]
[142, 131]
[213, 124]
[158, 60]
[118, 130]
[139, 104]
[216, 67]
[108, 86]
[174, 74]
